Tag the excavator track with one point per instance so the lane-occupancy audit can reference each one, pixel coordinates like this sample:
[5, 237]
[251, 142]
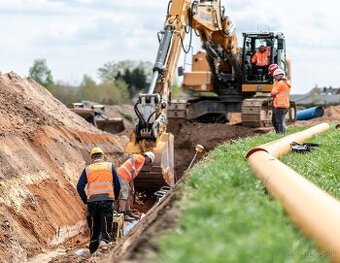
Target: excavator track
[257, 112]
[197, 109]
[177, 109]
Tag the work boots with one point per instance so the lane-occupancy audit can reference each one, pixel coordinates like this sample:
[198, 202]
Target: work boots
[103, 247]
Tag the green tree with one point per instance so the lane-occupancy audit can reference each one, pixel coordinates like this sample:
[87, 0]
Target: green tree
[136, 74]
[65, 92]
[42, 74]
[88, 90]
[113, 93]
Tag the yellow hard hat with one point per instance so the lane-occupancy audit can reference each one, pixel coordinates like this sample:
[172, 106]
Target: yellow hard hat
[96, 150]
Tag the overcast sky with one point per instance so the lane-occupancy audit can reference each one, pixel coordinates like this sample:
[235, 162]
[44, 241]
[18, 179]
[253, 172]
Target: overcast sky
[76, 37]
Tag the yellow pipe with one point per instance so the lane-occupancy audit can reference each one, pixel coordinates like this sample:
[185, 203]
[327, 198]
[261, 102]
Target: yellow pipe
[282, 146]
[313, 210]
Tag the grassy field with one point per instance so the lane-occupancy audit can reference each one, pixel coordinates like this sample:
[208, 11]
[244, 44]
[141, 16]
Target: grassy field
[227, 216]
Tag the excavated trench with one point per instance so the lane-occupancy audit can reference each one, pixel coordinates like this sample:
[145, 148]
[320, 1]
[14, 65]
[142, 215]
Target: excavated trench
[43, 149]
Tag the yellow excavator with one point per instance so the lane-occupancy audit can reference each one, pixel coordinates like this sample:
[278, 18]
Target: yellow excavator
[229, 75]
[218, 88]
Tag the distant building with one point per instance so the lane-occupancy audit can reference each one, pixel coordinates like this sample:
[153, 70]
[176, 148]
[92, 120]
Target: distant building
[318, 97]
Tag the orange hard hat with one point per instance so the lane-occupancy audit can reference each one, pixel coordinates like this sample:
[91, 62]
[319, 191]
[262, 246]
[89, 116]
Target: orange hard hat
[272, 68]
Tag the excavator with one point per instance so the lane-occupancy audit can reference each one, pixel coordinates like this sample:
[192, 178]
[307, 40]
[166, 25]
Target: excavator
[218, 88]
[227, 73]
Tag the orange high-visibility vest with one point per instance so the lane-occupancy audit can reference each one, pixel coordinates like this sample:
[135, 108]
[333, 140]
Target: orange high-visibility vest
[131, 167]
[261, 58]
[280, 93]
[99, 179]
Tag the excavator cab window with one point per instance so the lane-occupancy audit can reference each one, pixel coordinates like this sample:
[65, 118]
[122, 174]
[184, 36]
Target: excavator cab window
[259, 52]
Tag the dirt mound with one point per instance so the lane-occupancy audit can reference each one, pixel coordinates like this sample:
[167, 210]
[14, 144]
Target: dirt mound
[43, 149]
[331, 114]
[188, 135]
[25, 105]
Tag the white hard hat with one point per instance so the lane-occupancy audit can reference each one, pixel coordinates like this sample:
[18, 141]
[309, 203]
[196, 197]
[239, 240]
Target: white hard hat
[151, 156]
[278, 72]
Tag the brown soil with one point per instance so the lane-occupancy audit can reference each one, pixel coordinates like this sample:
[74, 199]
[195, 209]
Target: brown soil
[331, 114]
[187, 136]
[43, 149]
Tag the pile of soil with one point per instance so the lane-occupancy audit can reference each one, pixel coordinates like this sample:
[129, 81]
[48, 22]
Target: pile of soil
[25, 105]
[209, 135]
[43, 149]
[331, 114]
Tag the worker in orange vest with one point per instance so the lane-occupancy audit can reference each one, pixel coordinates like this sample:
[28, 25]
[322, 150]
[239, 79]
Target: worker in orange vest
[102, 188]
[127, 172]
[280, 94]
[261, 60]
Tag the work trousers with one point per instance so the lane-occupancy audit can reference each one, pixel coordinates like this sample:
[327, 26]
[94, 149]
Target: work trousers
[99, 219]
[278, 120]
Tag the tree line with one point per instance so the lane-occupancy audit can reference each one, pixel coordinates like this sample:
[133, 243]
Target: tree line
[119, 83]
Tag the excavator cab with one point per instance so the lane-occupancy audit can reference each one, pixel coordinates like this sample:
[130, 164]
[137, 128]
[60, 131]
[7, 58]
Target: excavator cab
[256, 82]
[255, 63]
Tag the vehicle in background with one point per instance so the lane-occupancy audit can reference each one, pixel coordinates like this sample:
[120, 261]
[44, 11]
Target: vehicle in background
[95, 114]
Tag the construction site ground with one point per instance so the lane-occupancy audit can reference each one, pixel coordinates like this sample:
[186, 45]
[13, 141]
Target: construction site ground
[44, 147]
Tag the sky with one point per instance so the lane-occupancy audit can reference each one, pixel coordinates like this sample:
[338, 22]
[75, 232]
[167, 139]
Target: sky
[76, 37]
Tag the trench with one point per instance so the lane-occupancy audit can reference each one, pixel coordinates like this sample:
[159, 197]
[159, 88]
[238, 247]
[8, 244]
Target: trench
[158, 218]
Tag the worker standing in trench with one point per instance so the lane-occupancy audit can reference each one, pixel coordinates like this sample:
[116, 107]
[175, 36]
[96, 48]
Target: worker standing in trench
[127, 172]
[103, 187]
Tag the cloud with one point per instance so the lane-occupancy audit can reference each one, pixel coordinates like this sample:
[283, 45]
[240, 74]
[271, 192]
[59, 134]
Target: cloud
[79, 36]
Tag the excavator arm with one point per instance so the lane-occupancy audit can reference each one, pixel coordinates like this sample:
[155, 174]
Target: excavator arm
[151, 108]
[207, 20]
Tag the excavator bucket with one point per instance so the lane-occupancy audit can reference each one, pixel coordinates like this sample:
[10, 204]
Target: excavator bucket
[114, 125]
[95, 116]
[161, 173]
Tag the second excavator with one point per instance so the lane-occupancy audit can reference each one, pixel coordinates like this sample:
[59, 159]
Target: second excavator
[224, 70]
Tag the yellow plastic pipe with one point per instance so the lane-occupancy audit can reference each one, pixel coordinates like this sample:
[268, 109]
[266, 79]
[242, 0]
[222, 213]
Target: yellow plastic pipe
[282, 146]
[313, 210]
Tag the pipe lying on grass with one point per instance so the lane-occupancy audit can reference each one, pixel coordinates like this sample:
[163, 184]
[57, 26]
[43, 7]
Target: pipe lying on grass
[310, 113]
[313, 210]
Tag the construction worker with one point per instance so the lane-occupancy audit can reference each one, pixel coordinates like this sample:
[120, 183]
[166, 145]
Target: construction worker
[260, 60]
[127, 172]
[280, 95]
[102, 188]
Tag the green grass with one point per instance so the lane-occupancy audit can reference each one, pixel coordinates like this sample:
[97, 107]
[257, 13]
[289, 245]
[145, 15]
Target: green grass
[321, 166]
[226, 215]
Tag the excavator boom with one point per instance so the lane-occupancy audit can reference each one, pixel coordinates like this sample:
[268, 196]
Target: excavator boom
[223, 73]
